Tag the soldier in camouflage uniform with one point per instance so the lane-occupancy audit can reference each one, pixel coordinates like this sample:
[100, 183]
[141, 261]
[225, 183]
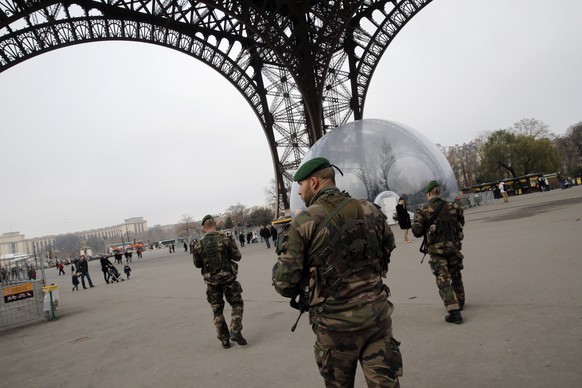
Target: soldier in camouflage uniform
[216, 255]
[443, 236]
[333, 256]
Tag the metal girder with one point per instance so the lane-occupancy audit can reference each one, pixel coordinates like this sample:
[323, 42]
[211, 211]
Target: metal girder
[303, 66]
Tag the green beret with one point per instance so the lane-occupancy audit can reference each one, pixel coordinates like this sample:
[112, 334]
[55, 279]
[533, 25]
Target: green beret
[430, 185]
[206, 218]
[309, 167]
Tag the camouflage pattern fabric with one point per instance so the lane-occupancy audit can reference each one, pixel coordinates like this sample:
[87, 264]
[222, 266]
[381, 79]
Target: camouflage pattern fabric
[344, 318]
[219, 269]
[444, 238]
[232, 291]
[362, 300]
[337, 355]
[216, 256]
[447, 270]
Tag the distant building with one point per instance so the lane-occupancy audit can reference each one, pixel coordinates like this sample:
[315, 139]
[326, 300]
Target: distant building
[14, 242]
[464, 160]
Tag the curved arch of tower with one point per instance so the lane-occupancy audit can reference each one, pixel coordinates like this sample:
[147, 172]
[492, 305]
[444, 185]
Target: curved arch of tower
[304, 67]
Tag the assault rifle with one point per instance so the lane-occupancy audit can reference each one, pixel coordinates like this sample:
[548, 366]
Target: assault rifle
[300, 302]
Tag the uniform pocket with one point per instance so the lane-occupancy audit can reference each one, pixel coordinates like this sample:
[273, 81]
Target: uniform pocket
[394, 357]
[236, 288]
[322, 358]
[431, 234]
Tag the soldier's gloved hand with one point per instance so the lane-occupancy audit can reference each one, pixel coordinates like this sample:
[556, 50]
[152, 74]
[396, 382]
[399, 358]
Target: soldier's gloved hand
[296, 302]
[299, 303]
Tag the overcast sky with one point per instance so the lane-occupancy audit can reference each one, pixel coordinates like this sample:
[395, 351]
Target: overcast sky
[97, 133]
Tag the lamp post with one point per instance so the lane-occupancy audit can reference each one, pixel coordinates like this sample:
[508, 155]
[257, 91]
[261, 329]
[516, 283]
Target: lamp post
[122, 242]
[43, 274]
[127, 231]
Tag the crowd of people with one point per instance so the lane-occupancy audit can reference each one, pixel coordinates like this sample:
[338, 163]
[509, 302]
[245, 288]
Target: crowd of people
[266, 234]
[17, 272]
[80, 269]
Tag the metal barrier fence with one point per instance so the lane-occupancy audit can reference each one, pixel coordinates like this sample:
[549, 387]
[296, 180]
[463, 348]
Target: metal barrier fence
[22, 295]
[476, 199]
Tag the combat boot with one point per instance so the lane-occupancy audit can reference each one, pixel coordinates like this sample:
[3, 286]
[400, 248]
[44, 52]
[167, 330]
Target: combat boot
[454, 316]
[226, 344]
[238, 338]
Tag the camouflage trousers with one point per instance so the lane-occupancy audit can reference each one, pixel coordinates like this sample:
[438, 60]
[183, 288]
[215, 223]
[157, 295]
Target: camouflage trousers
[337, 355]
[232, 291]
[447, 270]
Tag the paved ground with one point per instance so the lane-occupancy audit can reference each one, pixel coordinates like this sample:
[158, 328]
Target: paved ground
[523, 318]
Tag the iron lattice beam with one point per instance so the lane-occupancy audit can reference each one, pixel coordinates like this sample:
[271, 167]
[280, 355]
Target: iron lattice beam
[304, 67]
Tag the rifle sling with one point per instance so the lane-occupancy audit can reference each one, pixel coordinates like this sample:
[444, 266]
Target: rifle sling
[436, 214]
[295, 303]
[331, 214]
[432, 219]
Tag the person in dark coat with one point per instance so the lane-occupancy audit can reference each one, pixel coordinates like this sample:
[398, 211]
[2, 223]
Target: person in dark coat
[83, 268]
[273, 234]
[105, 263]
[403, 218]
[265, 233]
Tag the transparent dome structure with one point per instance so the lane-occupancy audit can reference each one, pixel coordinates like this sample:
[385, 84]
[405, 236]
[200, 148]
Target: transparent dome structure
[378, 156]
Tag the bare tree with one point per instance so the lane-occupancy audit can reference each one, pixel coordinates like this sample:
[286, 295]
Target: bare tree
[271, 193]
[237, 214]
[464, 161]
[186, 227]
[155, 233]
[532, 127]
[96, 244]
[68, 245]
[570, 149]
[574, 133]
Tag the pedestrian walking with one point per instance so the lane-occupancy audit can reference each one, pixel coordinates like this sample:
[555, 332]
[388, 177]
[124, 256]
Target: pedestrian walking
[503, 192]
[105, 263]
[274, 232]
[265, 234]
[61, 268]
[83, 268]
[75, 281]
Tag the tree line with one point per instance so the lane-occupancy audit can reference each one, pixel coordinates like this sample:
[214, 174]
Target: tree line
[236, 216]
[525, 148]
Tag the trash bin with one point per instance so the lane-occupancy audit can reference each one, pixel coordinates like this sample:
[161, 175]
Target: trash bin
[51, 300]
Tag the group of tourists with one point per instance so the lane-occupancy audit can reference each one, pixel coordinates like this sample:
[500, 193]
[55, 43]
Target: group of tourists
[266, 234]
[80, 270]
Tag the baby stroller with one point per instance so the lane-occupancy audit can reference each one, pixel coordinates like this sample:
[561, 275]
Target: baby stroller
[114, 274]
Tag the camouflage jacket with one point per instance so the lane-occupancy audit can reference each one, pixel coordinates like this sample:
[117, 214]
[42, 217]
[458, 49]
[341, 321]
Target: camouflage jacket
[342, 265]
[215, 255]
[445, 234]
